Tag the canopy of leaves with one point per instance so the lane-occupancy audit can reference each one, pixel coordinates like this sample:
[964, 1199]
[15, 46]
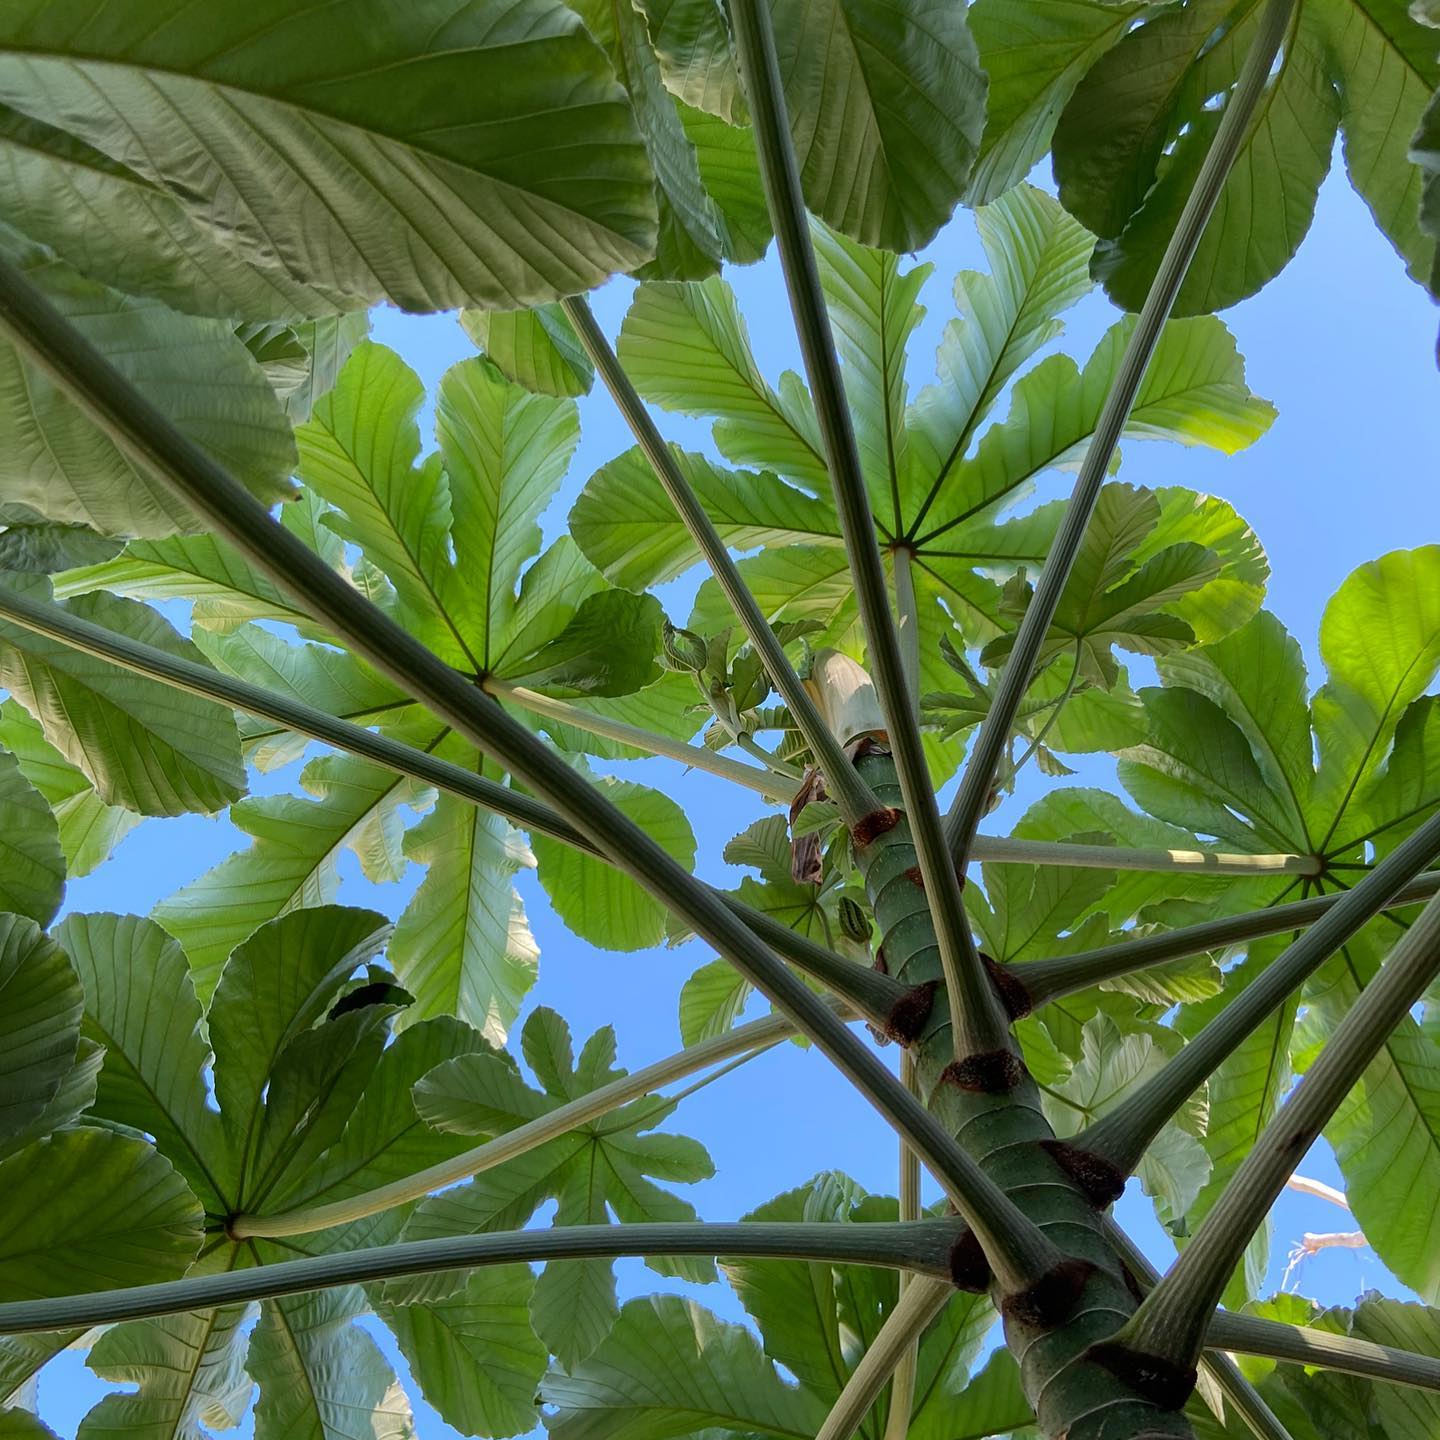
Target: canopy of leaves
[212, 197]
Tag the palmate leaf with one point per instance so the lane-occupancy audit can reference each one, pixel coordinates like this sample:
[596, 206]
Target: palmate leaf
[59, 465]
[1251, 780]
[686, 348]
[453, 533]
[1127, 585]
[1133, 134]
[599, 1167]
[393, 140]
[142, 745]
[313, 1107]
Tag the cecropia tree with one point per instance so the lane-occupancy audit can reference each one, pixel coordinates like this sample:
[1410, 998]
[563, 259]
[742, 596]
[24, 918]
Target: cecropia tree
[239, 1133]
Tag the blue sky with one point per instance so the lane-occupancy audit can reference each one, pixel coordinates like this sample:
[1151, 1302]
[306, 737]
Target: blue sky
[1342, 343]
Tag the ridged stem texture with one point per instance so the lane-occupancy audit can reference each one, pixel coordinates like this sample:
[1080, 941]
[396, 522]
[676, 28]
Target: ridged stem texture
[1006, 1131]
[924, 1247]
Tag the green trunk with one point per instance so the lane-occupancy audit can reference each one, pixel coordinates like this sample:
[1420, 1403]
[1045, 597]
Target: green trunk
[1075, 1398]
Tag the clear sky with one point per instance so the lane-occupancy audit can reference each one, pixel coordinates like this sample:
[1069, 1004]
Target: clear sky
[1342, 343]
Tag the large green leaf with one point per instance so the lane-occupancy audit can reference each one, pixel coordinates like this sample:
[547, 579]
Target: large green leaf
[188, 1372]
[59, 465]
[41, 1003]
[598, 1168]
[140, 1006]
[379, 159]
[142, 745]
[688, 246]
[1134, 132]
[670, 1368]
[1035, 52]
[32, 872]
[462, 946]
[313, 1106]
[292, 862]
[92, 1210]
[318, 1372]
[473, 1353]
[536, 348]
[597, 901]
[863, 82]
[89, 829]
[686, 348]
[1110, 1066]
[1117, 595]
[1230, 749]
[117, 227]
